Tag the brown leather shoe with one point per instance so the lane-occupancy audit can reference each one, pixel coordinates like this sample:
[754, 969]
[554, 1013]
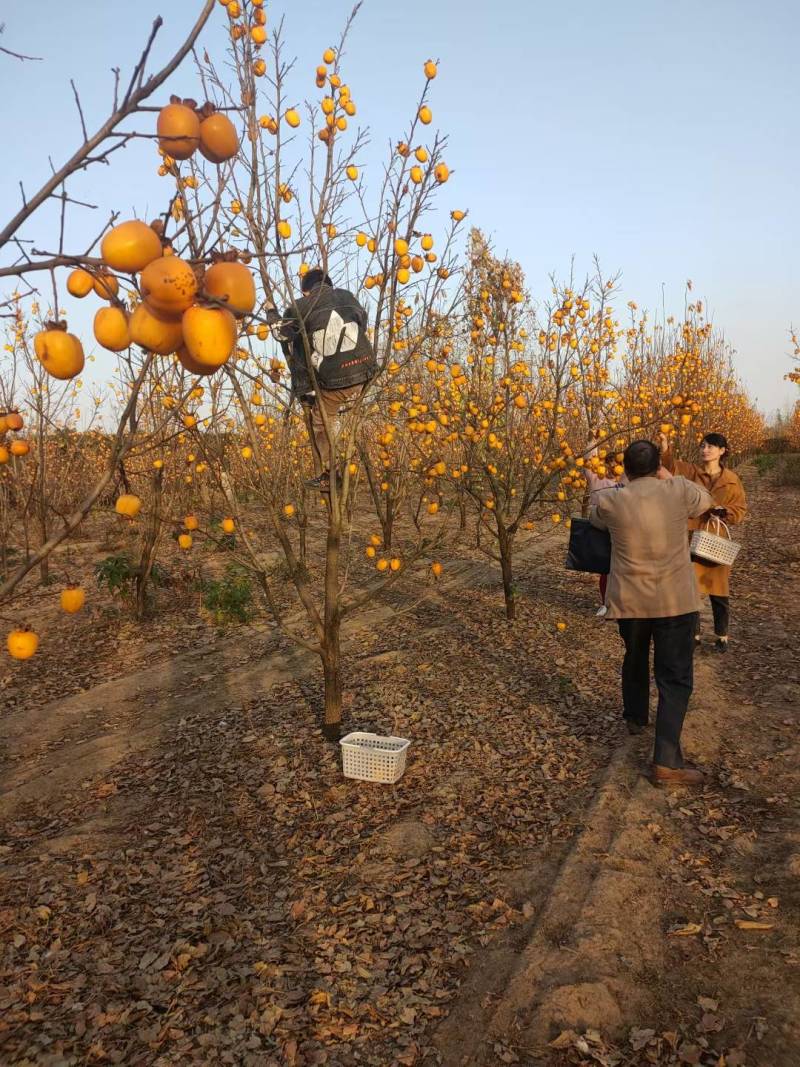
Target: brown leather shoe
[676, 775]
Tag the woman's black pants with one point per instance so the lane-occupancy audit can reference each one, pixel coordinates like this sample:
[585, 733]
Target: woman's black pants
[721, 610]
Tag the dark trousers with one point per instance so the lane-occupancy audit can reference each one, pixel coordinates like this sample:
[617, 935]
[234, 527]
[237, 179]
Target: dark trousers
[673, 641]
[721, 610]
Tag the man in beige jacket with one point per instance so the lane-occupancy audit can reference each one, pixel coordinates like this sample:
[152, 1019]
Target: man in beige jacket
[652, 593]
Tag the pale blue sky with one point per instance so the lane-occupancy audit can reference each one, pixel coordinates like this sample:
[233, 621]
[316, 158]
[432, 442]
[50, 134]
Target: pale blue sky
[662, 136]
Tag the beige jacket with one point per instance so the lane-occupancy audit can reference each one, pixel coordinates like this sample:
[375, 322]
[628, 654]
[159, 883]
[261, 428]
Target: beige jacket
[651, 572]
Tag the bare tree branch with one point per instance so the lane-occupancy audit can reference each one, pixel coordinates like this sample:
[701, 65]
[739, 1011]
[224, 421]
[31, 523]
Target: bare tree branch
[17, 55]
[133, 98]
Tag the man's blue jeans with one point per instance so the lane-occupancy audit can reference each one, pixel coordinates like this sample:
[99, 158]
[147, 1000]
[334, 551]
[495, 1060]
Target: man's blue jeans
[673, 641]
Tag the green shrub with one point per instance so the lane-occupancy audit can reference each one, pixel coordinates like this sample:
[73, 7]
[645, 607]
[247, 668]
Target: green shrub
[118, 574]
[765, 462]
[787, 471]
[230, 598]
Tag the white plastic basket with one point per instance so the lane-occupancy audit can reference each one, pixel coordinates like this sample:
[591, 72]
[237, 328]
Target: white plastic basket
[713, 547]
[373, 758]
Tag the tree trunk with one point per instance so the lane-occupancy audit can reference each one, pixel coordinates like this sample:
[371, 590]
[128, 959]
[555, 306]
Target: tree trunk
[302, 523]
[331, 651]
[41, 478]
[332, 678]
[505, 543]
[388, 525]
[149, 542]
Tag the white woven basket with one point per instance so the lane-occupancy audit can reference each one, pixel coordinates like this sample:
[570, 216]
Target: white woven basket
[373, 758]
[713, 547]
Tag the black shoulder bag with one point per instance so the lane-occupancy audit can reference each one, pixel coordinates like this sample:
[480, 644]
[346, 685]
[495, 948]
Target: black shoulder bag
[589, 548]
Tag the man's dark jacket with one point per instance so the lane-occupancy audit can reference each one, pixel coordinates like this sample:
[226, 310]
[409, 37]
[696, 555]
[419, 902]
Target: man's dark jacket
[335, 324]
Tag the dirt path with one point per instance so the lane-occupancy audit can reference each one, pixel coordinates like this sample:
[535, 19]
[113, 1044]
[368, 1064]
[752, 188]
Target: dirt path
[671, 929]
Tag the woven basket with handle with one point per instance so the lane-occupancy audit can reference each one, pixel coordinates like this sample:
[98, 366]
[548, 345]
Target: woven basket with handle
[712, 547]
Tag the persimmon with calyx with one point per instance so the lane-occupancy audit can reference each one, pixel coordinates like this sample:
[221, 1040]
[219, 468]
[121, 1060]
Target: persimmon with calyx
[59, 352]
[185, 541]
[72, 599]
[22, 643]
[106, 286]
[130, 246]
[168, 286]
[233, 285]
[228, 525]
[111, 329]
[209, 335]
[219, 140]
[154, 334]
[80, 283]
[19, 448]
[178, 129]
[191, 522]
[14, 421]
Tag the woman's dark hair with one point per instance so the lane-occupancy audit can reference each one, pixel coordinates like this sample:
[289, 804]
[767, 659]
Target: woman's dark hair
[718, 440]
[640, 459]
[313, 278]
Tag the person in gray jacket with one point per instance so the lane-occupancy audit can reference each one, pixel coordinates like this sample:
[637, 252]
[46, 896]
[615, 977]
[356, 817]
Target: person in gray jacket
[652, 593]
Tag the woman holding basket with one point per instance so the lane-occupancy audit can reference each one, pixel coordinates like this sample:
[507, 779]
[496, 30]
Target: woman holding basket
[730, 507]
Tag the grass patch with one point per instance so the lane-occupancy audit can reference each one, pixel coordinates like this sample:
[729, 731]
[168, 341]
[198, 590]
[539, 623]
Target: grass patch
[787, 471]
[765, 462]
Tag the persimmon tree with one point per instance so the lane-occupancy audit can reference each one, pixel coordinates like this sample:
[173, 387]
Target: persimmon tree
[25, 266]
[204, 281]
[295, 199]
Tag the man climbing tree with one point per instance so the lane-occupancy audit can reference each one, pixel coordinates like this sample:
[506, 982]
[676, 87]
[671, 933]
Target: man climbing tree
[330, 357]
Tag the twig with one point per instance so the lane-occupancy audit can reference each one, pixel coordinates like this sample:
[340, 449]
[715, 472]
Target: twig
[80, 109]
[133, 99]
[138, 70]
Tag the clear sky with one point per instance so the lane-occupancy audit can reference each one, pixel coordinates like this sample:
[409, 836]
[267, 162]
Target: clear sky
[662, 136]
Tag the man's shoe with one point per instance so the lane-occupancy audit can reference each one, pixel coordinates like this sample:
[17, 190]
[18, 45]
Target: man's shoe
[634, 728]
[721, 644]
[676, 775]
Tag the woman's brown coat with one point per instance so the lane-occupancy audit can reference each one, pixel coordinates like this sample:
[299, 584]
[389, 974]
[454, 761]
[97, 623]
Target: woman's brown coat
[727, 492]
